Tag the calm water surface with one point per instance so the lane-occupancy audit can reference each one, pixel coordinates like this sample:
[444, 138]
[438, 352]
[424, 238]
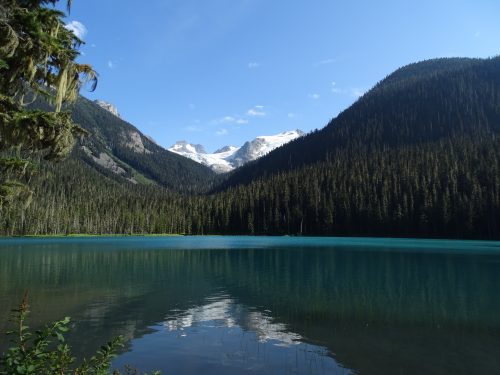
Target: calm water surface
[236, 305]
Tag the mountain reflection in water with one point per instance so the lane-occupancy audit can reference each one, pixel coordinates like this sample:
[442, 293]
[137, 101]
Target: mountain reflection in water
[224, 312]
[224, 337]
[262, 305]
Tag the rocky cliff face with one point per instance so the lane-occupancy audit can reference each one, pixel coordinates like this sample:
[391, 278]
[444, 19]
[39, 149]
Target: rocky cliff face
[108, 107]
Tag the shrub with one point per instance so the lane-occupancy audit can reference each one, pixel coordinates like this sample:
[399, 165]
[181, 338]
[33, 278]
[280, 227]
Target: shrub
[45, 351]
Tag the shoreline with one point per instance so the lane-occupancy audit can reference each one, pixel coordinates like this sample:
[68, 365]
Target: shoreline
[159, 235]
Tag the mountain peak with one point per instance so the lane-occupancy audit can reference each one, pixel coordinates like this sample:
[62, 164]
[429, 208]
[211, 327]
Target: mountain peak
[108, 107]
[228, 158]
[225, 149]
[286, 135]
[181, 147]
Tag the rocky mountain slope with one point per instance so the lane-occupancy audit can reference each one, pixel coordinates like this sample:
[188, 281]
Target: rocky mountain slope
[108, 107]
[122, 152]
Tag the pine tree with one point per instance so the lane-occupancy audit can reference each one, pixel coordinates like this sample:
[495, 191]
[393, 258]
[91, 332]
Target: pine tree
[37, 58]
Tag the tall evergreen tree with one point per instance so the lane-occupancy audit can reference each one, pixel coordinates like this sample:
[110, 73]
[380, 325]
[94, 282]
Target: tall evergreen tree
[37, 57]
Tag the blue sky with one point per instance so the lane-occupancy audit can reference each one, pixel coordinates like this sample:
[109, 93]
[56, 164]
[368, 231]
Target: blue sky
[220, 72]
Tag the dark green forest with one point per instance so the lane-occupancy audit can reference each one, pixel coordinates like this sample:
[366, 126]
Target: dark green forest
[416, 156]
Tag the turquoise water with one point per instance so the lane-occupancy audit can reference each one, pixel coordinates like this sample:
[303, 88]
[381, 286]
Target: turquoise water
[267, 305]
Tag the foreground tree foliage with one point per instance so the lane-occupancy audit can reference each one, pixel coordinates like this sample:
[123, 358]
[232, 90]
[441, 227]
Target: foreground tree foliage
[45, 352]
[37, 58]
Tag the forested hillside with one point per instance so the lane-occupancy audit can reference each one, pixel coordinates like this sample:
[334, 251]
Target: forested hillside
[418, 155]
[119, 150]
[72, 197]
[420, 103]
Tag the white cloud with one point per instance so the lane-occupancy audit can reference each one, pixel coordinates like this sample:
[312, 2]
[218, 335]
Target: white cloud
[256, 111]
[314, 96]
[230, 120]
[357, 92]
[77, 28]
[354, 92]
[254, 65]
[221, 132]
[324, 62]
[335, 89]
[193, 129]
[111, 65]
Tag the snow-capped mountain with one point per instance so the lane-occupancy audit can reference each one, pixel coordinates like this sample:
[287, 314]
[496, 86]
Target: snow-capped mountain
[182, 147]
[230, 157]
[262, 145]
[108, 107]
[218, 161]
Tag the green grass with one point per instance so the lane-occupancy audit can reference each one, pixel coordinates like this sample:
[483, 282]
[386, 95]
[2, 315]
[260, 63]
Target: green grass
[94, 235]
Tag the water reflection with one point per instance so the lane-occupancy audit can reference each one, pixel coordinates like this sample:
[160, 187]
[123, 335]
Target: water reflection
[218, 304]
[217, 309]
[224, 312]
[222, 336]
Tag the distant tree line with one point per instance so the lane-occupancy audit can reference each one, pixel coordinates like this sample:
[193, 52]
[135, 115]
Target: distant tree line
[445, 189]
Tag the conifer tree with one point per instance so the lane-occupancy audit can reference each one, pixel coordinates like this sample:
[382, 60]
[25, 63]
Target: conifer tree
[37, 58]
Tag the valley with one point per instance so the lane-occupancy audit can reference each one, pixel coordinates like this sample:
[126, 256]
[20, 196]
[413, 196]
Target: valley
[249, 187]
[416, 156]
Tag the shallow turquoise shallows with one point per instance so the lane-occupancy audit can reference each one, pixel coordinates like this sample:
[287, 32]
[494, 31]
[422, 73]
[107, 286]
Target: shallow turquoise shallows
[266, 305]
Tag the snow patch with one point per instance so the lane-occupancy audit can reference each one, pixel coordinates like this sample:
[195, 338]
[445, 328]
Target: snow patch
[228, 158]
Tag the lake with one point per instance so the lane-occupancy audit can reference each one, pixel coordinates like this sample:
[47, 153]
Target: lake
[266, 305]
